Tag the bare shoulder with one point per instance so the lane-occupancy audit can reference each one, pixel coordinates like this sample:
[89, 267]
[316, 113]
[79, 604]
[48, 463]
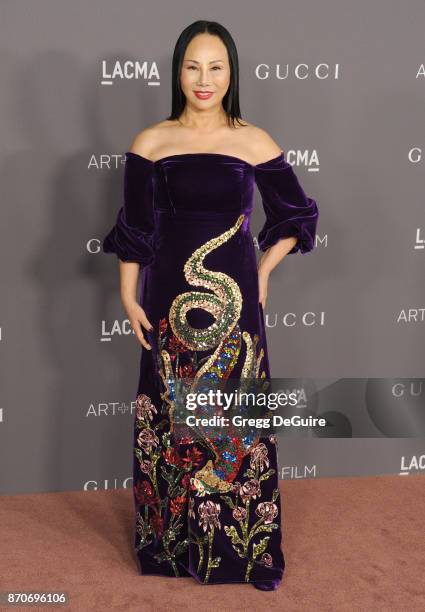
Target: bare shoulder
[147, 141]
[262, 145]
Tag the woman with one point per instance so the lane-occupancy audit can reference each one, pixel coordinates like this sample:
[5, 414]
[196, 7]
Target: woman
[207, 508]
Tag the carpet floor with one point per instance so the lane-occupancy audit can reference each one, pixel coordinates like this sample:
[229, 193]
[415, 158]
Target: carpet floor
[349, 543]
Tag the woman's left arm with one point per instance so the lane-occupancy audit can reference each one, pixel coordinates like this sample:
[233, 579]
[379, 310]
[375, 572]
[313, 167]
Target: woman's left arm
[291, 216]
[268, 261]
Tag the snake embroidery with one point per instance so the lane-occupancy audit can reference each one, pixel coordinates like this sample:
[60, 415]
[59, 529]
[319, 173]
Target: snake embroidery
[224, 302]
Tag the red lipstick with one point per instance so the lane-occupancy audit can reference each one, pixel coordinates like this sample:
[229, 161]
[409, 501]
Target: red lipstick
[203, 95]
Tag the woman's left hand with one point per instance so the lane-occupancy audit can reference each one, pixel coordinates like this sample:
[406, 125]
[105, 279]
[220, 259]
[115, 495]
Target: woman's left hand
[263, 281]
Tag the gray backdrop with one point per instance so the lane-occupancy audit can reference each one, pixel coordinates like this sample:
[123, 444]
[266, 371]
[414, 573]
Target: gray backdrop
[339, 85]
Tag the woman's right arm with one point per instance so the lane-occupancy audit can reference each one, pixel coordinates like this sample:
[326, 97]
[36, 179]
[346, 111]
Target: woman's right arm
[129, 276]
[132, 238]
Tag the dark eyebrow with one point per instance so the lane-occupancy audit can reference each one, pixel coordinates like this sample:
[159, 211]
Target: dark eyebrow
[191, 60]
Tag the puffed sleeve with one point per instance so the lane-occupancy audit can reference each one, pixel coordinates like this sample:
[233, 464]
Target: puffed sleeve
[289, 212]
[132, 237]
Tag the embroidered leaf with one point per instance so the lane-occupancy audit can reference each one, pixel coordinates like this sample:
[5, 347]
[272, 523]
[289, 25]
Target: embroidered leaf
[180, 547]
[195, 539]
[259, 548]
[156, 455]
[142, 544]
[138, 454]
[275, 495]
[241, 553]
[168, 476]
[143, 530]
[215, 562]
[166, 439]
[174, 488]
[168, 536]
[229, 501]
[250, 473]
[267, 475]
[266, 528]
[160, 557]
[177, 528]
[233, 535]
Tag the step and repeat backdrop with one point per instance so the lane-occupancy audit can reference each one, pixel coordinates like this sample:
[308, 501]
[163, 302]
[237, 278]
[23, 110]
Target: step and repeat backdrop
[340, 86]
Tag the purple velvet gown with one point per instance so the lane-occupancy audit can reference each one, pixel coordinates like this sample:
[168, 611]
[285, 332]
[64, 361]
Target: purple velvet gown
[211, 511]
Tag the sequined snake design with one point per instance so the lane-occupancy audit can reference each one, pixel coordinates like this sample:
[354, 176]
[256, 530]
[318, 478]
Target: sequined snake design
[224, 303]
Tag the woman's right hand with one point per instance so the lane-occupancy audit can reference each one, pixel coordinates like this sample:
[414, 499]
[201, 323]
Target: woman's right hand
[137, 317]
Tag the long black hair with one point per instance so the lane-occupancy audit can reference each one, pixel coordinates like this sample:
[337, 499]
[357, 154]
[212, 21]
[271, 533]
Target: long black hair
[231, 99]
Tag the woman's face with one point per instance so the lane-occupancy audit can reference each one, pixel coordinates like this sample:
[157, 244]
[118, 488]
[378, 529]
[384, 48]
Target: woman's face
[205, 68]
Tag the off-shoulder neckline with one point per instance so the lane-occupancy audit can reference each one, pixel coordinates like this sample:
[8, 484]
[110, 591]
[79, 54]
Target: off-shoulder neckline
[234, 157]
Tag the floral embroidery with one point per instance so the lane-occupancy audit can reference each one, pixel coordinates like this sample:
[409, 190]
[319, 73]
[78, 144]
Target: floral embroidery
[243, 539]
[174, 511]
[208, 519]
[208, 515]
[151, 524]
[144, 408]
[177, 504]
[239, 513]
[259, 457]
[251, 488]
[267, 559]
[268, 511]
[147, 439]
[146, 466]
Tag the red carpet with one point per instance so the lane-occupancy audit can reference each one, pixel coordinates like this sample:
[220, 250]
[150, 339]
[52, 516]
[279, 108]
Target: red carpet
[350, 544]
